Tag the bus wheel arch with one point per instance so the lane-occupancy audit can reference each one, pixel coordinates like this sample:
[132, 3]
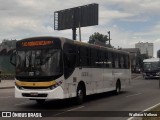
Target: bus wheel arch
[118, 86]
[80, 92]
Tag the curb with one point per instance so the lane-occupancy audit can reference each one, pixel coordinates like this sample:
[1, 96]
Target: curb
[8, 87]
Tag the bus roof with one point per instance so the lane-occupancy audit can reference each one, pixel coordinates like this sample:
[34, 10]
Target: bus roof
[151, 60]
[99, 47]
[75, 42]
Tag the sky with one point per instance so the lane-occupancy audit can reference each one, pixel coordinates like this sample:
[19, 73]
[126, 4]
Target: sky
[129, 21]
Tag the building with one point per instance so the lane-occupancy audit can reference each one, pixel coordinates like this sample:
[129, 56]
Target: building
[145, 48]
[135, 58]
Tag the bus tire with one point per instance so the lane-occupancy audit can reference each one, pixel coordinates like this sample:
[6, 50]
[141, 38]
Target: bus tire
[40, 101]
[118, 87]
[80, 94]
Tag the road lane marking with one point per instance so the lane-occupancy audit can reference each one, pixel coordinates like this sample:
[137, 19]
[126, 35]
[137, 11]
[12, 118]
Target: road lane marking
[132, 118]
[76, 108]
[59, 113]
[134, 95]
[145, 110]
[69, 110]
[5, 97]
[151, 107]
[137, 77]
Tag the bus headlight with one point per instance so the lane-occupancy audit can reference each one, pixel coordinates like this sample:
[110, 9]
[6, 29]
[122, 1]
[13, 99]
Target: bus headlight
[158, 73]
[19, 87]
[56, 85]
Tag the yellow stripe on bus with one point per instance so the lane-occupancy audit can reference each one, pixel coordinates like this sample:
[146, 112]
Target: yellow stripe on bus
[35, 84]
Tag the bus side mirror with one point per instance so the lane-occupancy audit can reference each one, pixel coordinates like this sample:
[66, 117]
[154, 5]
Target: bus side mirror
[13, 58]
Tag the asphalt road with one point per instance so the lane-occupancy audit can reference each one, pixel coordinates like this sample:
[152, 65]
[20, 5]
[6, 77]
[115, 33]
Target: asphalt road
[141, 95]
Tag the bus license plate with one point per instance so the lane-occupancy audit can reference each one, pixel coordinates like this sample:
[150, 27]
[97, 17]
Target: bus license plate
[34, 94]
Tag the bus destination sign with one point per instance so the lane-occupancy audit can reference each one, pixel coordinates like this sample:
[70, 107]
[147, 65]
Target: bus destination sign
[36, 43]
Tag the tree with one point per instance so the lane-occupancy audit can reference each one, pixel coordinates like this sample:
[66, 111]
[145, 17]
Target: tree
[99, 37]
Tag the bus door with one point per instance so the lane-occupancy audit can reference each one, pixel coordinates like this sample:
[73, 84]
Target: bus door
[69, 58]
[85, 69]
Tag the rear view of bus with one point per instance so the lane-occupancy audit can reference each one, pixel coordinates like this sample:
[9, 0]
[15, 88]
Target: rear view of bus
[151, 68]
[38, 65]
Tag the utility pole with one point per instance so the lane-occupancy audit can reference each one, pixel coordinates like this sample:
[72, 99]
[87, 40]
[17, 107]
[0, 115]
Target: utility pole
[158, 55]
[109, 37]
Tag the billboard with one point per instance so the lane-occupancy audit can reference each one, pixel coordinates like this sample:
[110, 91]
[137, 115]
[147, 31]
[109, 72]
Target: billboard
[81, 16]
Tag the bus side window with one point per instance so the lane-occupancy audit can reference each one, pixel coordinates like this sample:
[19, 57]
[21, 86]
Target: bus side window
[119, 60]
[126, 62]
[106, 60]
[116, 60]
[122, 61]
[84, 59]
[98, 57]
[103, 62]
[78, 58]
[93, 57]
[89, 57]
[69, 58]
[113, 60]
[110, 61]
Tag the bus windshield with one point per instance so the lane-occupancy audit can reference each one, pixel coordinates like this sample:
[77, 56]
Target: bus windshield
[46, 62]
[151, 66]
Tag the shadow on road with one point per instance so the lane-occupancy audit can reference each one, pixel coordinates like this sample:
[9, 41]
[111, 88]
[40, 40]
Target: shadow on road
[68, 103]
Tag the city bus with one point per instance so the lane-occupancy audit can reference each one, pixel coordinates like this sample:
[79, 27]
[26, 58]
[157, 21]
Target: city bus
[60, 68]
[151, 68]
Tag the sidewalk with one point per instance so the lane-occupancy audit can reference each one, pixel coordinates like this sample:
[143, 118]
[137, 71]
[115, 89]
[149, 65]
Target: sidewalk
[4, 84]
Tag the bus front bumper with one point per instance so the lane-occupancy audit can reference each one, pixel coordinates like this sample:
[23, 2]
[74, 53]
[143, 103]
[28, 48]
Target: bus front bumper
[151, 75]
[56, 93]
